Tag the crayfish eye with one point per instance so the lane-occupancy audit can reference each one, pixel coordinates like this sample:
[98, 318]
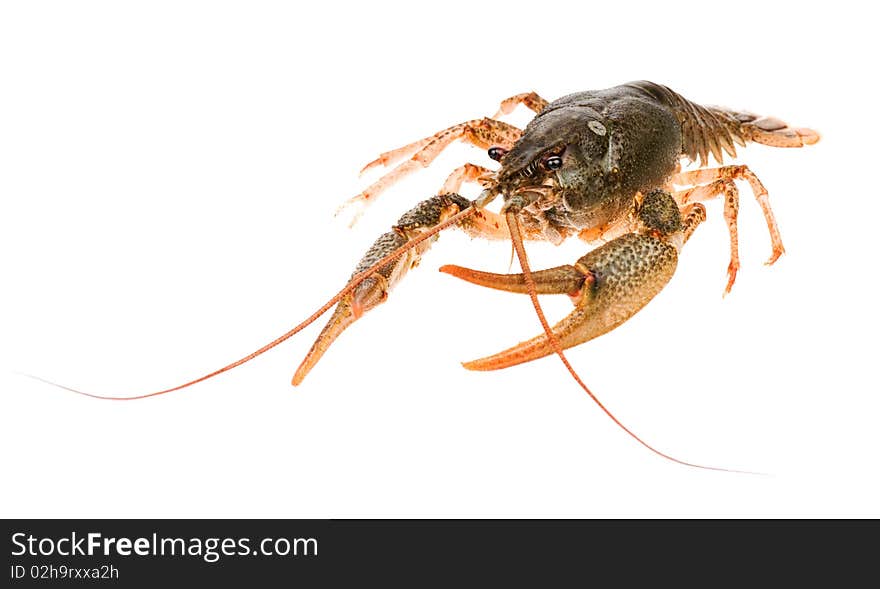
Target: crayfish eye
[496, 153]
[554, 162]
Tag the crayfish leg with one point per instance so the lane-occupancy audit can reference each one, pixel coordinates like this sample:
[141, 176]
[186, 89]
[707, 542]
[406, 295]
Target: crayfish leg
[530, 100]
[482, 133]
[711, 182]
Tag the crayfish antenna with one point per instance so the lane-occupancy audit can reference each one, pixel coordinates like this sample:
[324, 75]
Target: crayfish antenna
[353, 283]
[516, 238]
[217, 372]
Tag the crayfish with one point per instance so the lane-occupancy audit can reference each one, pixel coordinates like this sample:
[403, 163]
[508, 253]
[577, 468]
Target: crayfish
[603, 166]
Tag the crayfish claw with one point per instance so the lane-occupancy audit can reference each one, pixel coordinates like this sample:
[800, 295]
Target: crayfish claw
[371, 292]
[618, 279]
[560, 280]
[385, 264]
[621, 277]
[342, 317]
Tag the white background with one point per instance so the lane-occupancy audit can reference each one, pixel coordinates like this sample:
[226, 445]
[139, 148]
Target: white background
[169, 173]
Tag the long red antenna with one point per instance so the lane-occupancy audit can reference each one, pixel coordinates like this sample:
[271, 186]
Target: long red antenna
[352, 284]
[516, 237]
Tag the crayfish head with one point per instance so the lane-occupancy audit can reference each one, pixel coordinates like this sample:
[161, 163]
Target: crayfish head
[540, 152]
[568, 152]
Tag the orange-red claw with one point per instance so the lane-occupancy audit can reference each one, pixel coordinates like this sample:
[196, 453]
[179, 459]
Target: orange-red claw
[385, 263]
[370, 293]
[342, 317]
[618, 278]
[559, 280]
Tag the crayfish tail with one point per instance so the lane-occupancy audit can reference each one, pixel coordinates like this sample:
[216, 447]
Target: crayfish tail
[765, 130]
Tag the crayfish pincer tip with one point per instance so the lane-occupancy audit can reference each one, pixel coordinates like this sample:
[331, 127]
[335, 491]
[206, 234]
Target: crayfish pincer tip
[299, 376]
[505, 359]
[452, 270]
[468, 365]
